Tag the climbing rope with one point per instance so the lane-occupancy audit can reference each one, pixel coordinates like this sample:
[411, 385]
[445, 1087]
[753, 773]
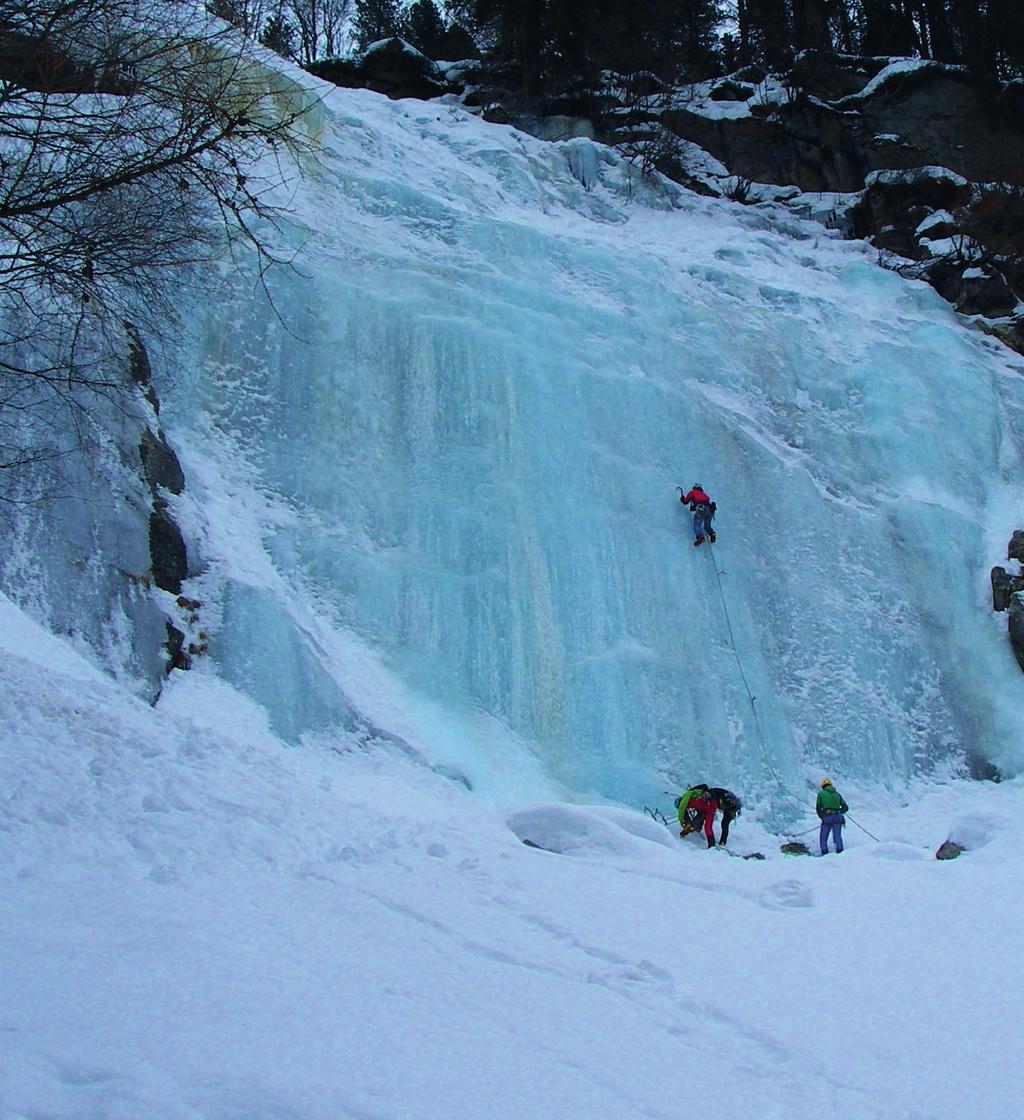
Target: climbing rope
[746, 684]
[753, 705]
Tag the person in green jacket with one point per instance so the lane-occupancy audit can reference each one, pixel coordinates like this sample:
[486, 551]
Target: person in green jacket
[695, 804]
[830, 807]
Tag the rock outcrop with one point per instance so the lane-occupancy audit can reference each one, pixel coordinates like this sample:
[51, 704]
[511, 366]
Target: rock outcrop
[948, 850]
[162, 473]
[392, 67]
[1015, 626]
[1008, 594]
[1004, 586]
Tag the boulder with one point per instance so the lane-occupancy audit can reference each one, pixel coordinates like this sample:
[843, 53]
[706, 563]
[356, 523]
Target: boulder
[940, 225]
[948, 850]
[946, 277]
[985, 292]
[345, 72]
[391, 66]
[397, 69]
[1010, 332]
[981, 769]
[1015, 549]
[643, 83]
[1004, 587]
[731, 91]
[806, 144]
[795, 848]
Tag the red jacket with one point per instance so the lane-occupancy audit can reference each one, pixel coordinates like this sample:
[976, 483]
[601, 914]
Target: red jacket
[698, 497]
[707, 807]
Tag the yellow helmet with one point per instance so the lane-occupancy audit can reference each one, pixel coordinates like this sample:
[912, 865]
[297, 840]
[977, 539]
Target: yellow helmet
[825, 782]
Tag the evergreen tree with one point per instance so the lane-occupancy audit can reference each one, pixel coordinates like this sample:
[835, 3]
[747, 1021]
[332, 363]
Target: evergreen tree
[424, 28]
[889, 29]
[374, 19]
[279, 35]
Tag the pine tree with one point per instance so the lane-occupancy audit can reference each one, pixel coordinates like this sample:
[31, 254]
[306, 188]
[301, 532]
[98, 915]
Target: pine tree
[279, 35]
[424, 28]
[374, 19]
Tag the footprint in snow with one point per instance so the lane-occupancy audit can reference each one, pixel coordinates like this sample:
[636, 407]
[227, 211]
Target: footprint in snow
[787, 894]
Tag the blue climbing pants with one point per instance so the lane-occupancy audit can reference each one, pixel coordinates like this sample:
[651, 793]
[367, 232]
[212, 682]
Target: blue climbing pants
[702, 522]
[831, 822]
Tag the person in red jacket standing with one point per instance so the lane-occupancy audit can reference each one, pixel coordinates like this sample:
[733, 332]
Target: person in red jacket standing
[703, 509]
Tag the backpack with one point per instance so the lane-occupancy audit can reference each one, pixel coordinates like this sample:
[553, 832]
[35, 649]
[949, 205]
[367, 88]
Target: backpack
[728, 802]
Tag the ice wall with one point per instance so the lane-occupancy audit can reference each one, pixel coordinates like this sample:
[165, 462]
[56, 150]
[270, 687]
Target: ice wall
[470, 406]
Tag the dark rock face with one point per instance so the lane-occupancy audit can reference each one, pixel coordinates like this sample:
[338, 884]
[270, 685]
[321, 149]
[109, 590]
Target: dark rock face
[1016, 626]
[177, 658]
[968, 238]
[948, 117]
[160, 466]
[1004, 586]
[139, 369]
[829, 141]
[807, 145]
[985, 292]
[167, 552]
[897, 204]
[168, 555]
[1008, 595]
[948, 850]
[830, 76]
[391, 67]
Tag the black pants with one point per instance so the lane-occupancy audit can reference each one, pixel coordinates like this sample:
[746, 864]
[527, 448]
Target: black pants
[727, 819]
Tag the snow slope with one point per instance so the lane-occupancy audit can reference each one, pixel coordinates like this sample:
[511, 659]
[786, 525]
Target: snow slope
[198, 922]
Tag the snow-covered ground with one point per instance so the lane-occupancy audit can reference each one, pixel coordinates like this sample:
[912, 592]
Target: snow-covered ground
[198, 922]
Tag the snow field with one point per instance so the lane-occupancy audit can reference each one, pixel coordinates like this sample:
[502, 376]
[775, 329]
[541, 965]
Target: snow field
[201, 922]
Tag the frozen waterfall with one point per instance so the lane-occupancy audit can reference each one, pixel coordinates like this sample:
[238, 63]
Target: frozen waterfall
[442, 467]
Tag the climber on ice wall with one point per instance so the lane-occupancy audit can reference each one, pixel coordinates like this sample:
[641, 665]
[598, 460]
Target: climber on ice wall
[703, 509]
